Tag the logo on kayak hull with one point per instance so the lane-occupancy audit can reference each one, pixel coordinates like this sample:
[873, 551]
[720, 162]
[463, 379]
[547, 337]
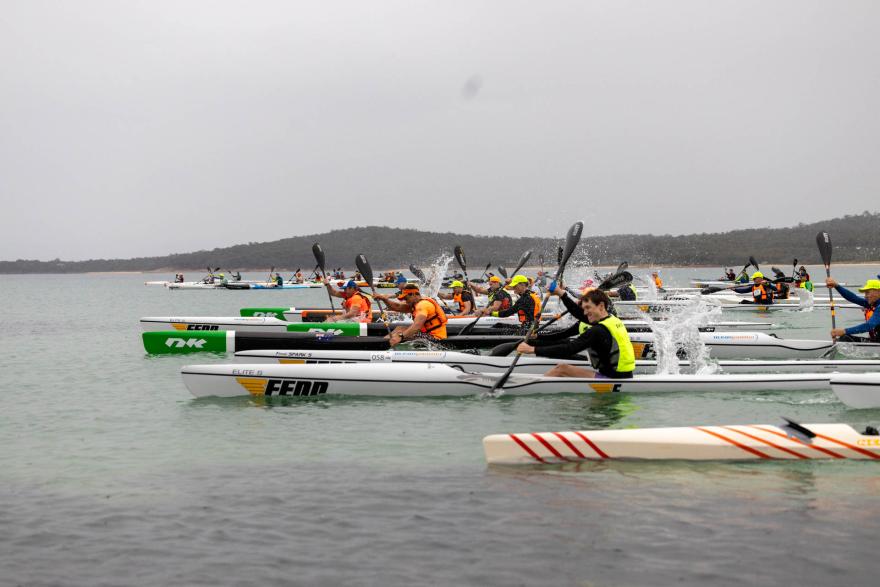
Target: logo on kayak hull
[286, 387]
[179, 343]
[184, 326]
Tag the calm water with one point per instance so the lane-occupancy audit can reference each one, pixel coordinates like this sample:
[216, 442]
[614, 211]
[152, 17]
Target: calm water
[111, 473]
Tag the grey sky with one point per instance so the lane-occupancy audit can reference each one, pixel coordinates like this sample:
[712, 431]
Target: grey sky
[144, 128]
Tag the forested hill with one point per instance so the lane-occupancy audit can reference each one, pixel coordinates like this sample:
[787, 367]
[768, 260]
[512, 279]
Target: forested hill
[854, 238]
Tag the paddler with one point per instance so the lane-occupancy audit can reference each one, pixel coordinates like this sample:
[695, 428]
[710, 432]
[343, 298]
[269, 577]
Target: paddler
[802, 280]
[298, 277]
[460, 296]
[625, 292]
[871, 325]
[762, 290]
[355, 305]
[527, 307]
[429, 320]
[658, 283]
[499, 299]
[601, 334]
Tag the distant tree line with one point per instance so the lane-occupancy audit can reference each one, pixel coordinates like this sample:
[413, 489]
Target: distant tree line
[855, 238]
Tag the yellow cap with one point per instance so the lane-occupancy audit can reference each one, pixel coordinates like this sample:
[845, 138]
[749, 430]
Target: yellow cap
[756, 275]
[871, 284]
[517, 279]
[456, 284]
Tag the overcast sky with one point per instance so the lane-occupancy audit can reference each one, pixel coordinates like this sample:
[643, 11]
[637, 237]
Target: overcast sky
[146, 128]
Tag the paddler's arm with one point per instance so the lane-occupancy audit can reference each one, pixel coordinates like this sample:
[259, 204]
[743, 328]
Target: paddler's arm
[333, 292]
[393, 304]
[467, 301]
[862, 328]
[846, 294]
[573, 307]
[520, 304]
[409, 332]
[573, 346]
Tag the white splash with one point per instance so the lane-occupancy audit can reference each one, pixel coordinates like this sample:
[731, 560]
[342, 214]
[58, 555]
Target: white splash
[679, 333]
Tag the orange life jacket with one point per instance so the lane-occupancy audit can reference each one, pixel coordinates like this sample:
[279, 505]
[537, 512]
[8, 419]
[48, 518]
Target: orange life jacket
[362, 304]
[435, 324]
[761, 294]
[536, 312]
[873, 335]
[457, 298]
[658, 282]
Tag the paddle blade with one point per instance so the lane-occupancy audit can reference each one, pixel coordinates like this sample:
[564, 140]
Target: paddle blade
[541, 260]
[559, 255]
[502, 271]
[419, 274]
[794, 262]
[616, 280]
[571, 242]
[522, 261]
[823, 241]
[711, 289]
[460, 258]
[753, 263]
[622, 267]
[363, 266]
[318, 252]
[777, 272]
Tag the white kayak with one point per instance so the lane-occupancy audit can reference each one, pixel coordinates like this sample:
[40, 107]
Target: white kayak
[858, 390]
[742, 345]
[532, 365]
[270, 324]
[634, 309]
[693, 443]
[427, 380]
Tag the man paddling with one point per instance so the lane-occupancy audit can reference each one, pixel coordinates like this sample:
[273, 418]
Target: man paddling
[355, 305]
[602, 335]
[460, 296]
[429, 320]
[871, 325]
[499, 299]
[527, 307]
[762, 290]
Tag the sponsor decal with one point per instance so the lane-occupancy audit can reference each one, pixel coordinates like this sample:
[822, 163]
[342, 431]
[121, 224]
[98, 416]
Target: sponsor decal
[327, 331]
[180, 343]
[605, 387]
[266, 315]
[283, 387]
[312, 361]
[185, 326]
[380, 357]
[868, 442]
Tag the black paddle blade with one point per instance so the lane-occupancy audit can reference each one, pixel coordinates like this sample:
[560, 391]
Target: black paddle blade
[558, 255]
[502, 271]
[522, 261]
[753, 263]
[823, 241]
[622, 267]
[363, 266]
[777, 272]
[784, 279]
[616, 280]
[794, 262]
[460, 258]
[541, 260]
[711, 289]
[318, 252]
[571, 242]
[419, 274]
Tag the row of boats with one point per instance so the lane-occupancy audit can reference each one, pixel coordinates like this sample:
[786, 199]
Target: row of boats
[288, 352]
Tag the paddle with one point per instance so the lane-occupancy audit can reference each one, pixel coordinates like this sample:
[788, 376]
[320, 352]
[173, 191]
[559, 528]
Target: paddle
[486, 270]
[420, 275]
[793, 267]
[522, 261]
[366, 271]
[777, 272]
[541, 262]
[823, 241]
[571, 241]
[318, 252]
[558, 255]
[293, 277]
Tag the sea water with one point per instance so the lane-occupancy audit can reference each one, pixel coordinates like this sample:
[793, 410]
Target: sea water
[112, 474]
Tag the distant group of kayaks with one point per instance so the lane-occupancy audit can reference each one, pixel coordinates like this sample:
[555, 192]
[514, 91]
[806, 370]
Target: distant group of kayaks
[292, 352]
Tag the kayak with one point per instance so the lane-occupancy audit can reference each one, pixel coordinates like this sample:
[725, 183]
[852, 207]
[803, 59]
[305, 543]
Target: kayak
[742, 345]
[857, 391]
[694, 443]
[486, 327]
[634, 309]
[426, 380]
[229, 341]
[534, 365]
